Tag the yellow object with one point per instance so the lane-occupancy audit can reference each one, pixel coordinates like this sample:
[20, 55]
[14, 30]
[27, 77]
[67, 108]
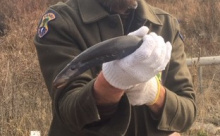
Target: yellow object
[158, 92]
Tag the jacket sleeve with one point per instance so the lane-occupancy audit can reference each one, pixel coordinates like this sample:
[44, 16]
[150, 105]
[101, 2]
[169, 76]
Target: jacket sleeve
[74, 105]
[55, 49]
[179, 110]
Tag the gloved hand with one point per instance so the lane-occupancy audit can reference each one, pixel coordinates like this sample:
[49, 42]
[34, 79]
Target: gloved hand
[145, 93]
[140, 66]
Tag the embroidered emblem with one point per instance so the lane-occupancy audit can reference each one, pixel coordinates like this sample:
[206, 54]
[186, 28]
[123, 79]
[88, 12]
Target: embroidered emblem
[43, 27]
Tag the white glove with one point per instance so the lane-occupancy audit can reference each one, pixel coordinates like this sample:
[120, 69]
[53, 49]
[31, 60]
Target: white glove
[140, 32]
[144, 93]
[140, 66]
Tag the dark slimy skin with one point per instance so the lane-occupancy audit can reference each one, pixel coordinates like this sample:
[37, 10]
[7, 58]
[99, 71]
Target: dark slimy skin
[109, 50]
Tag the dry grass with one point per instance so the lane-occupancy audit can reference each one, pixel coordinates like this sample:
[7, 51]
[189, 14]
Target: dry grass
[24, 101]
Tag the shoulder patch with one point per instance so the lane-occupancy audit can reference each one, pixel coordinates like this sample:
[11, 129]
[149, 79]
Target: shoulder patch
[43, 27]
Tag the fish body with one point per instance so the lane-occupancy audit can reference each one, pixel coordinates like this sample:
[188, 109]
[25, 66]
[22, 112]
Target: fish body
[108, 50]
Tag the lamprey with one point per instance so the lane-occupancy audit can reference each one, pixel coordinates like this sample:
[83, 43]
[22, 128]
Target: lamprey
[108, 50]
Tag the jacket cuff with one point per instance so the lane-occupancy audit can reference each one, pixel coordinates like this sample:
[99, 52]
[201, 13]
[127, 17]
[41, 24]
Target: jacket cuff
[85, 110]
[169, 111]
[117, 125]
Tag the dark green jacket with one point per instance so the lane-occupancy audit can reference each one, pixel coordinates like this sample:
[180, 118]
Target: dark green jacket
[79, 24]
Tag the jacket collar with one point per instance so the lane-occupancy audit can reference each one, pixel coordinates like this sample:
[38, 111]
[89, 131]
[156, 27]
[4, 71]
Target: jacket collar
[93, 11]
[146, 12]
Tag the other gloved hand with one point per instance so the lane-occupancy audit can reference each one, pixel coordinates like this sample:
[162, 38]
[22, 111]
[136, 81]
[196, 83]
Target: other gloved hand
[145, 93]
[140, 66]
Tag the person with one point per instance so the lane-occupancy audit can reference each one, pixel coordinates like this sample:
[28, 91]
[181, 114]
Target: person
[147, 93]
